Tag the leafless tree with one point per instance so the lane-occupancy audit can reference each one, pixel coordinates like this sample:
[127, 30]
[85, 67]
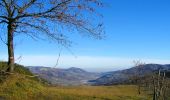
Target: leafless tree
[50, 18]
[137, 77]
[160, 85]
[156, 84]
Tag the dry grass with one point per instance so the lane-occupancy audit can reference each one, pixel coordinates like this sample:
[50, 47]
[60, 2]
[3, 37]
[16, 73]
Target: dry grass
[119, 92]
[19, 87]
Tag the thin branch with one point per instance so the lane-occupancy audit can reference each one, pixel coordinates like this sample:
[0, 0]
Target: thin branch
[7, 7]
[58, 58]
[28, 5]
[4, 17]
[34, 37]
[45, 12]
[3, 41]
[3, 21]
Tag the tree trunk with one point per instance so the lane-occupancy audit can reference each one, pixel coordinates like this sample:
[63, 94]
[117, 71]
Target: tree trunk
[10, 48]
[154, 89]
[139, 89]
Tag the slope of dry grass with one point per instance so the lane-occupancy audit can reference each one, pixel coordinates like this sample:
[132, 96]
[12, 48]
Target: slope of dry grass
[19, 86]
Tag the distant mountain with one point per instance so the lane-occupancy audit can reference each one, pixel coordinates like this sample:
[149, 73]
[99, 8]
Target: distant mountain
[122, 76]
[71, 76]
[77, 76]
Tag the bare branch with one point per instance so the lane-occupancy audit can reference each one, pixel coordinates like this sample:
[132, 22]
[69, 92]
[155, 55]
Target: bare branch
[44, 12]
[4, 17]
[28, 5]
[3, 41]
[3, 21]
[7, 7]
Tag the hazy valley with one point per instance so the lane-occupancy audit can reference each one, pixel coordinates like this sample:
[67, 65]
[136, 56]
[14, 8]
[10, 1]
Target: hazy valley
[77, 76]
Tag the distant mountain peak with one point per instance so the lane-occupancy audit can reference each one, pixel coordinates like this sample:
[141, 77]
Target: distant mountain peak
[70, 76]
[74, 69]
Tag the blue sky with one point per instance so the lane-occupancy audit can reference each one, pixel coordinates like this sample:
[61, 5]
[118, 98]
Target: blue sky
[135, 29]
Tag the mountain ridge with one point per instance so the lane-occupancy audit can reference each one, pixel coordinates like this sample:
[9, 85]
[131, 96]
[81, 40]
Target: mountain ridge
[59, 76]
[78, 76]
[122, 76]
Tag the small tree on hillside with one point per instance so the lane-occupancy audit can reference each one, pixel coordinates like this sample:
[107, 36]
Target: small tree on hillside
[137, 77]
[36, 18]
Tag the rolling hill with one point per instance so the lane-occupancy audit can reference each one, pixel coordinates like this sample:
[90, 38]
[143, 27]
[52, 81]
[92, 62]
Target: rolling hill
[77, 76]
[70, 76]
[122, 76]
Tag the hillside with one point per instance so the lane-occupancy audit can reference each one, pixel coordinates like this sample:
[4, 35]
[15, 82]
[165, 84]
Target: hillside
[18, 68]
[21, 85]
[21, 88]
[70, 76]
[122, 76]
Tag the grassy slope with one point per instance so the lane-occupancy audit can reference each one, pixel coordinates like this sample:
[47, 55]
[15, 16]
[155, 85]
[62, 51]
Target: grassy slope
[18, 68]
[19, 86]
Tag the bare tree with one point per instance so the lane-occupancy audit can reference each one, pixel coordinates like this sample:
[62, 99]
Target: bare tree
[157, 84]
[138, 75]
[160, 85]
[50, 18]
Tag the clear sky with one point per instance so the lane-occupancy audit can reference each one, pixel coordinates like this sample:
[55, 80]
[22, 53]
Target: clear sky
[135, 29]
